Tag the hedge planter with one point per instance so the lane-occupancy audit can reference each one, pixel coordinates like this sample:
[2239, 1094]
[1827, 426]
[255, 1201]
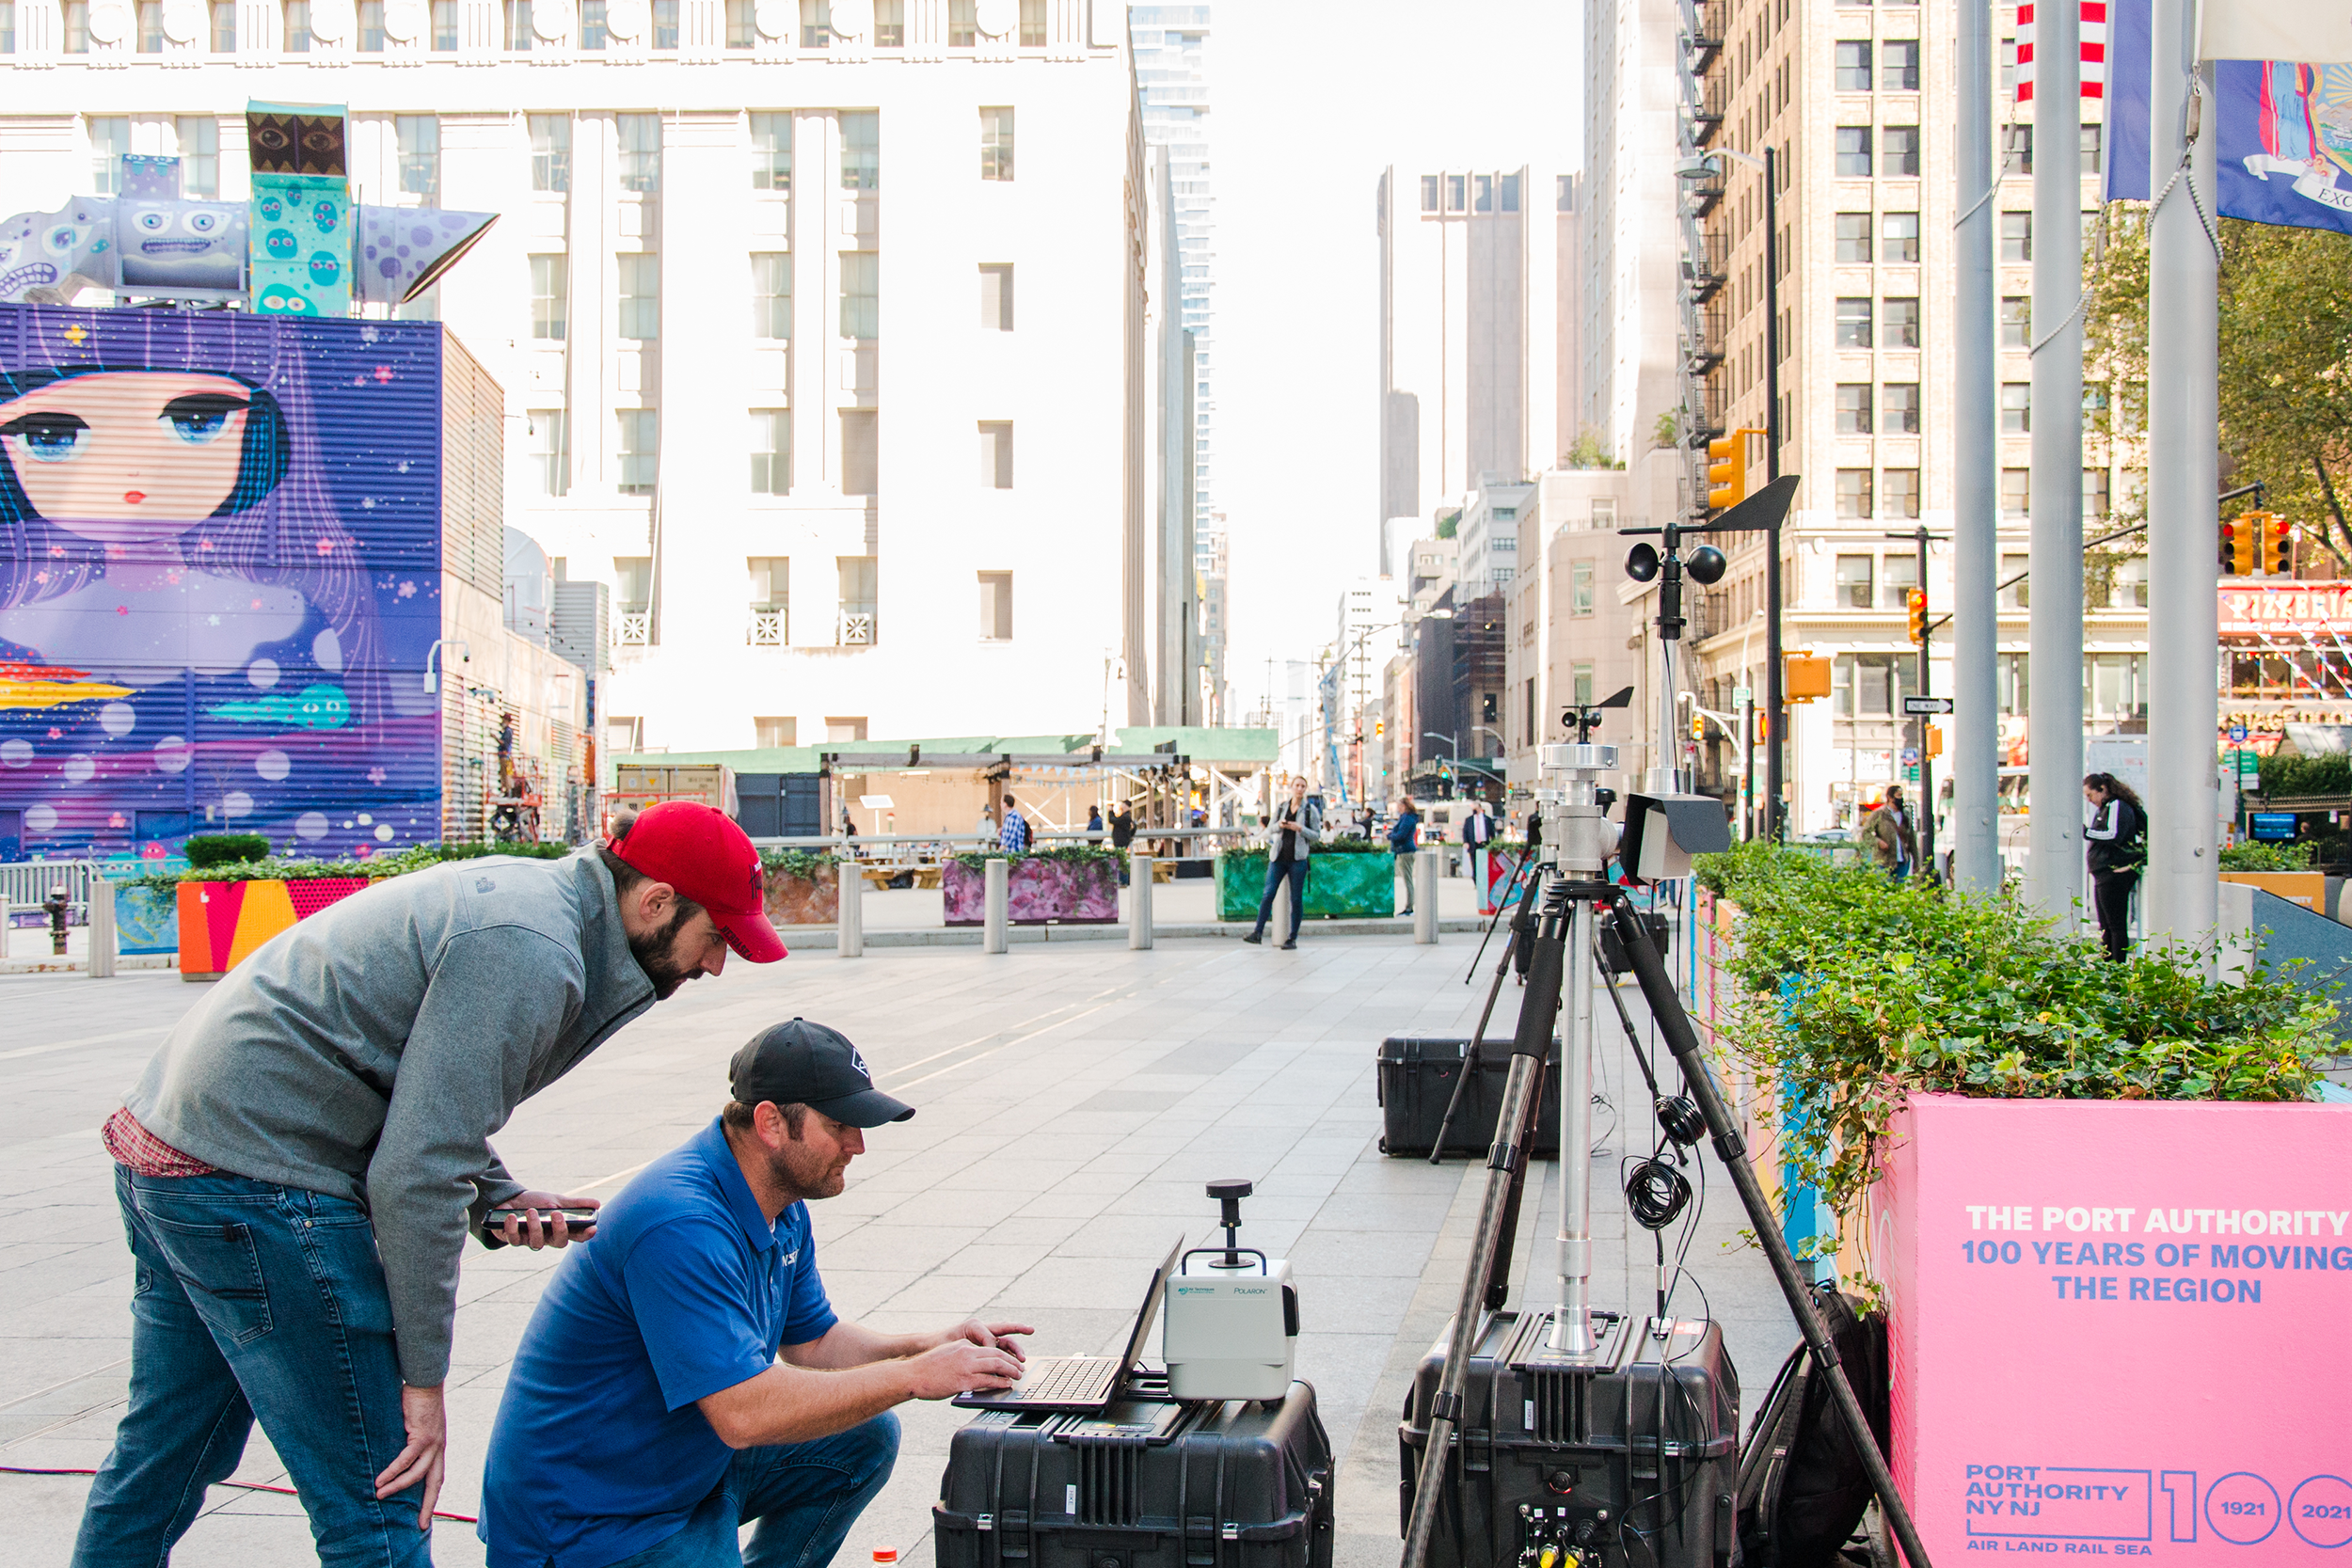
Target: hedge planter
[795, 898]
[1038, 891]
[1340, 885]
[2118, 1326]
[222, 923]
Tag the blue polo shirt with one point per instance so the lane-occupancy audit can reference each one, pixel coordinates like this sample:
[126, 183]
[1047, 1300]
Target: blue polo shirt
[598, 1451]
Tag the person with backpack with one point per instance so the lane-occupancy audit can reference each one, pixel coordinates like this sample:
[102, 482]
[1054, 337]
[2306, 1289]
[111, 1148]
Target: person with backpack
[1016, 834]
[1290, 839]
[2116, 845]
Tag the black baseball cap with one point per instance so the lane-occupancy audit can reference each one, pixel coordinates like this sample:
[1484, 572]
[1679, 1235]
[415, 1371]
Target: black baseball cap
[808, 1064]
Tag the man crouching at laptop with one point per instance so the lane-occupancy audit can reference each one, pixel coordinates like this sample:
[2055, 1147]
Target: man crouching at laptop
[647, 1414]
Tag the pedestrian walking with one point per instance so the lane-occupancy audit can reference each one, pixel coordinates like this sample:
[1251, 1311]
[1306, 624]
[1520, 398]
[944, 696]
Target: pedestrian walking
[1015, 834]
[1894, 844]
[1094, 824]
[1403, 838]
[300, 1165]
[2115, 843]
[1122, 826]
[1290, 839]
[1478, 831]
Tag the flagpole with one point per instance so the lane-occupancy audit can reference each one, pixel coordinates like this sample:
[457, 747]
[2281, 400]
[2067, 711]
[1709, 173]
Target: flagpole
[2054, 870]
[1975, 464]
[2181, 896]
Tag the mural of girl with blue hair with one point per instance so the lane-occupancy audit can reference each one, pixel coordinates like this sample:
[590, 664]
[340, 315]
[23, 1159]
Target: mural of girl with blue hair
[190, 634]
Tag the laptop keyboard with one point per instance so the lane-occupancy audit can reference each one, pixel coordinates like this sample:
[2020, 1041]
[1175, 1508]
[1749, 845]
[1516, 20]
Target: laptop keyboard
[1069, 1379]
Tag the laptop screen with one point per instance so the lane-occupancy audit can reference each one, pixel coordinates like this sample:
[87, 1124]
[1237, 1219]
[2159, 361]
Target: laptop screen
[1142, 1331]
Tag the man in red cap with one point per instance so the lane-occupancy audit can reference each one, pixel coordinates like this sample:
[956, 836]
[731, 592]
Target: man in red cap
[299, 1165]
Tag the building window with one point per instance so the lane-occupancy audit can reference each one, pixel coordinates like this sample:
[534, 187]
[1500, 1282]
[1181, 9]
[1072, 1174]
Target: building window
[996, 455]
[859, 613]
[77, 26]
[109, 141]
[860, 454]
[1482, 193]
[518, 25]
[1456, 192]
[1900, 233]
[1868, 686]
[1853, 237]
[1857, 575]
[1032, 23]
[151, 28]
[771, 451]
[2091, 140]
[861, 149]
[199, 156]
[445, 27]
[2016, 320]
[2016, 407]
[1429, 193]
[2129, 587]
[890, 24]
[997, 296]
[641, 296]
[641, 451]
[418, 138]
[2116, 685]
[371, 27]
[861, 295]
[223, 21]
[996, 144]
[641, 152]
[1851, 64]
[1854, 151]
[2017, 149]
[2016, 494]
[2096, 495]
[1854, 409]
[1899, 148]
[2008, 73]
[7, 26]
[816, 24]
[771, 735]
[964, 24]
[1580, 588]
[740, 30]
[1854, 498]
[1903, 322]
[1580, 683]
[1853, 322]
[665, 24]
[771, 295]
[2015, 586]
[770, 593]
[550, 434]
[1898, 65]
[550, 298]
[771, 152]
[551, 152]
[1898, 574]
[1898, 407]
[1898, 493]
[996, 606]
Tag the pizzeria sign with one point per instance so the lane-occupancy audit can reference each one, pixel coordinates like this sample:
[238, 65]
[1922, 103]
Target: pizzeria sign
[2301, 607]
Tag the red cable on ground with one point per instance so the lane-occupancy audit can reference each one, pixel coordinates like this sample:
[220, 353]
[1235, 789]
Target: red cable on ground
[241, 1485]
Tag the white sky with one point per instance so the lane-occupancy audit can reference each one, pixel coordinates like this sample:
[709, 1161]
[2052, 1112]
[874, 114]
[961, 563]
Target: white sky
[1310, 101]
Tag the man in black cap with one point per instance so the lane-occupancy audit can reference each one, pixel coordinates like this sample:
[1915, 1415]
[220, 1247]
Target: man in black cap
[686, 1375]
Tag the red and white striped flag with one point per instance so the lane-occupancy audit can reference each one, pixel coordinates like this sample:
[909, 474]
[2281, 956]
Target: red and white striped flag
[2094, 49]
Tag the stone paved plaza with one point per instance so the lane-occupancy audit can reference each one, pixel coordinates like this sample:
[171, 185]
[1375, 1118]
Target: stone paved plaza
[1074, 1099]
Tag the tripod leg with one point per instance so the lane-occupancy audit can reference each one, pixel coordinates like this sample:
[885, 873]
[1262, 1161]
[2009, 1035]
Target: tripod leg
[1469, 1052]
[1506, 1166]
[1674, 1025]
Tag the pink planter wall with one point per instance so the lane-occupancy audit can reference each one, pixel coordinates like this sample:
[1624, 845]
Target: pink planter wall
[2119, 1328]
[1037, 893]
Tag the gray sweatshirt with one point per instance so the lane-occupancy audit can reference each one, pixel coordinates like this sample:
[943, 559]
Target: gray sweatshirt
[370, 1053]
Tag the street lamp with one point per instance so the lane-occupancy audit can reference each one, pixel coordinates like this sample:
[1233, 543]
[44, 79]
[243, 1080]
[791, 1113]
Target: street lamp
[1775, 702]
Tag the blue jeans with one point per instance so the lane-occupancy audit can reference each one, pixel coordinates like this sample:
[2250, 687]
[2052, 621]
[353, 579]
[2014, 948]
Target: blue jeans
[1274, 872]
[799, 1497]
[251, 1299]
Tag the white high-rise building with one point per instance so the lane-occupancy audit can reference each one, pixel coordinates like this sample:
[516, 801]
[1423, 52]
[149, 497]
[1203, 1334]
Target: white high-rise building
[1473, 368]
[1170, 45]
[1627, 194]
[821, 328]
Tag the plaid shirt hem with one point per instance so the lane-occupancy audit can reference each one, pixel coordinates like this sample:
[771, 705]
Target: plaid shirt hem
[141, 1152]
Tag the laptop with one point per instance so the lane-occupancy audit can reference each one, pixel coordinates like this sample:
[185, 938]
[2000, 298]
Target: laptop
[1087, 1383]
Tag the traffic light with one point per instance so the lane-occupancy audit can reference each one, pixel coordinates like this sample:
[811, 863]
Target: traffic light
[1698, 727]
[1916, 600]
[1935, 741]
[2277, 545]
[1379, 726]
[1728, 470]
[2242, 532]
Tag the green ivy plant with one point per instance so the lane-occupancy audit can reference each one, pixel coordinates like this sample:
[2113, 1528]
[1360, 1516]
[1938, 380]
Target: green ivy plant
[1066, 854]
[805, 864]
[396, 863]
[1855, 990]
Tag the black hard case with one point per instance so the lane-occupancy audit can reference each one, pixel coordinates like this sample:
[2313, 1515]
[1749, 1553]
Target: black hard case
[1583, 1446]
[1417, 1078]
[1148, 1483]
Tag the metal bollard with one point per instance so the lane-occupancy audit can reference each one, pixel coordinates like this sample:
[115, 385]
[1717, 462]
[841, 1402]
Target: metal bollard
[1138, 901]
[101, 930]
[994, 936]
[850, 913]
[1425, 896]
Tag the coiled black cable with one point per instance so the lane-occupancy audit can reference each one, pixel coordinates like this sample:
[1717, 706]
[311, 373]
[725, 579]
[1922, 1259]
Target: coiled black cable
[1656, 1192]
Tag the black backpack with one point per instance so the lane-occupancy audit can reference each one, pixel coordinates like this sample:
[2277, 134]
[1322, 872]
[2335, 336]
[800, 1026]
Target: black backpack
[1802, 1489]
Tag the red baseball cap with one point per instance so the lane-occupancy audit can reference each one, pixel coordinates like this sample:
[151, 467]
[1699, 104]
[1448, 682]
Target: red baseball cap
[700, 851]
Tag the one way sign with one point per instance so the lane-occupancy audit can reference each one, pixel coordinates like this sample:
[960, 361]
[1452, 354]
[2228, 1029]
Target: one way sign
[1915, 708]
